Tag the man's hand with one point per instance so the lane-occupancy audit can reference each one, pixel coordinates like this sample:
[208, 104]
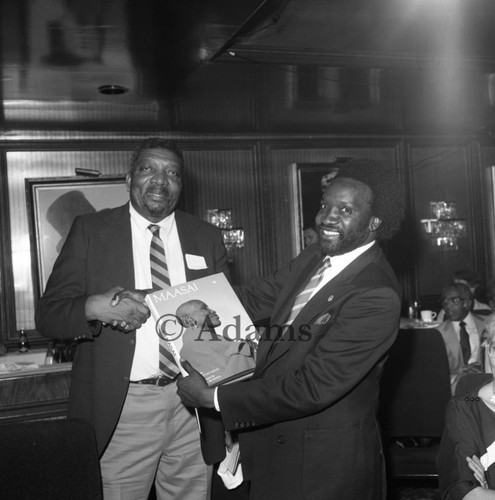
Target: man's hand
[126, 293]
[476, 466]
[193, 389]
[475, 367]
[126, 316]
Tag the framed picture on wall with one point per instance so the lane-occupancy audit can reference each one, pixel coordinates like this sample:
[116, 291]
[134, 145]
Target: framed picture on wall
[53, 204]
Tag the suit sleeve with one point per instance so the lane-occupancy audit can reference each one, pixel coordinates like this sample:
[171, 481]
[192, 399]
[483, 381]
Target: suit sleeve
[60, 313]
[338, 359]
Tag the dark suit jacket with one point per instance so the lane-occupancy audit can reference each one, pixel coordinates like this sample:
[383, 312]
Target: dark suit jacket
[97, 256]
[468, 431]
[308, 416]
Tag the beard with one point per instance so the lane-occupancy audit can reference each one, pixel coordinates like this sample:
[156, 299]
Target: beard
[159, 208]
[345, 242]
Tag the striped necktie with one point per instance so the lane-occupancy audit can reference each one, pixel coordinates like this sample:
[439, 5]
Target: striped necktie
[304, 295]
[161, 279]
[159, 270]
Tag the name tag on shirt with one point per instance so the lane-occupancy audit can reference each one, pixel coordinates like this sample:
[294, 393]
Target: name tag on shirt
[195, 261]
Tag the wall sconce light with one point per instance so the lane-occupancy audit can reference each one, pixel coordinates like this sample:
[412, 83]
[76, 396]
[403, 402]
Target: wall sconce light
[233, 237]
[444, 228]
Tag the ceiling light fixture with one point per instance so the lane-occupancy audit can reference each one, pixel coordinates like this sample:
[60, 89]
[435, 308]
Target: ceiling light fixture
[112, 89]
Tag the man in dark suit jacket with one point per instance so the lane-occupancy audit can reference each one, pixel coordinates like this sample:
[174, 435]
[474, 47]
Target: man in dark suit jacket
[306, 420]
[141, 426]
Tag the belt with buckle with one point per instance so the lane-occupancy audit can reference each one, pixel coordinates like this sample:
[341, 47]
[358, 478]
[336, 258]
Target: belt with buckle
[161, 381]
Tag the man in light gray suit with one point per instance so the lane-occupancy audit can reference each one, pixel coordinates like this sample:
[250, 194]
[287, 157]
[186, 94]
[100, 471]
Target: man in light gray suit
[461, 331]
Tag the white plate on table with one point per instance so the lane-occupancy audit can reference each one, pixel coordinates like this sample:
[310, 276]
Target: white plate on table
[422, 325]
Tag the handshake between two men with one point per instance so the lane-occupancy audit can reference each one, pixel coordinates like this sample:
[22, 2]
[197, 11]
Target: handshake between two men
[126, 310]
[121, 308]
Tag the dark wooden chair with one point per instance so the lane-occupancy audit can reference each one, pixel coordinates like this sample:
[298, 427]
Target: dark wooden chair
[49, 459]
[415, 390]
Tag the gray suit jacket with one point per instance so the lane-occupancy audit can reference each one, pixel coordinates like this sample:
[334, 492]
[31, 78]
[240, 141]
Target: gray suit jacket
[454, 353]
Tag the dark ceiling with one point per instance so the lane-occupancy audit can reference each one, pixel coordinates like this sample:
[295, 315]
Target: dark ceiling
[66, 49]
[62, 51]
[381, 33]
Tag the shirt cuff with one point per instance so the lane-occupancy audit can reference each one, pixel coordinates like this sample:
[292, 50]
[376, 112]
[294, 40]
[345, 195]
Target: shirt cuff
[215, 399]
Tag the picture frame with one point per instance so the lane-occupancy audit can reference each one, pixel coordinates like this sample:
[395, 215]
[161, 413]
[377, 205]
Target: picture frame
[53, 204]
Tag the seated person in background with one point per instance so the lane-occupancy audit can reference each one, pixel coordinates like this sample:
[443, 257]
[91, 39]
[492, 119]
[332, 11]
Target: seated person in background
[465, 460]
[490, 298]
[477, 287]
[461, 331]
[310, 236]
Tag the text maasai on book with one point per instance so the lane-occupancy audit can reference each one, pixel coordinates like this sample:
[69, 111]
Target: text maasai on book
[204, 322]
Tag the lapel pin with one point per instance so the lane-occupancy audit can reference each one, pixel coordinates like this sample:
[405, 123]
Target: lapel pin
[322, 320]
[330, 298]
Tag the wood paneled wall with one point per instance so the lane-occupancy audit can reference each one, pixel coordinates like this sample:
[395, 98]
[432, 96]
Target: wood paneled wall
[254, 177]
[440, 174]
[217, 176]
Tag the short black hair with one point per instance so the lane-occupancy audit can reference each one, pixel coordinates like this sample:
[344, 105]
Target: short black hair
[463, 290]
[156, 143]
[388, 202]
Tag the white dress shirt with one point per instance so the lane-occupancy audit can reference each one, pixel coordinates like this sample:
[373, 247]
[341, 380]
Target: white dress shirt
[145, 361]
[339, 263]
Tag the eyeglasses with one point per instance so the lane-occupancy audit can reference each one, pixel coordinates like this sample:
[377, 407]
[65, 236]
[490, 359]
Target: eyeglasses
[452, 300]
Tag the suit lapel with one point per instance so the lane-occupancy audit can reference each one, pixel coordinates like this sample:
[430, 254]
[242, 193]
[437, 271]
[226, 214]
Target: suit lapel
[347, 274]
[187, 230]
[294, 285]
[319, 302]
[480, 324]
[284, 304]
[116, 236]
[336, 286]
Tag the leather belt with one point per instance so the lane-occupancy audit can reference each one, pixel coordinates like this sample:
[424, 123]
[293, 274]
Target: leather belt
[161, 381]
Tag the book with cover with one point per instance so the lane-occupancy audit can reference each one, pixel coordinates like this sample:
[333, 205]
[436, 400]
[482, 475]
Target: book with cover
[204, 323]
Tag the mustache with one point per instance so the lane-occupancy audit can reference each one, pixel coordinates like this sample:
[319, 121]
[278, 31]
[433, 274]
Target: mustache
[159, 190]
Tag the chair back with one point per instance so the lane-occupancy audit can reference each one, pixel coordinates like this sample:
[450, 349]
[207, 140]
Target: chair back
[49, 459]
[414, 392]
[415, 385]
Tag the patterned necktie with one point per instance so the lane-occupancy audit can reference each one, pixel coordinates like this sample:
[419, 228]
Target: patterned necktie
[160, 279]
[303, 296]
[159, 270]
[464, 340]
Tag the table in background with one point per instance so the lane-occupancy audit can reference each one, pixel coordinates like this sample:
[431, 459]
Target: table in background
[35, 394]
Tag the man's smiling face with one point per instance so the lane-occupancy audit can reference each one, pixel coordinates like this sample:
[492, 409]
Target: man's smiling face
[345, 221]
[155, 183]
